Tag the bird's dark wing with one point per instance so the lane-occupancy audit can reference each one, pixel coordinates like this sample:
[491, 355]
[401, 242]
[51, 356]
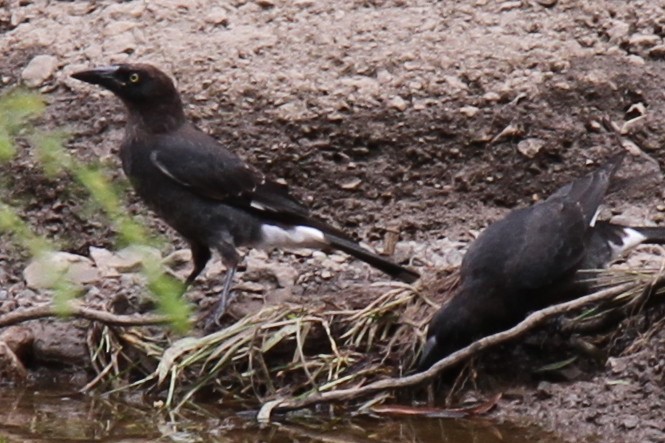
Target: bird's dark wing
[551, 245]
[529, 248]
[195, 160]
[545, 243]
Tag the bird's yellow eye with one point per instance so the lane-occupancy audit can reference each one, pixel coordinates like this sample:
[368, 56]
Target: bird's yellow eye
[134, 77]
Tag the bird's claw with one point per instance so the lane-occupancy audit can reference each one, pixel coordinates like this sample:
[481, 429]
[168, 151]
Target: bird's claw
[214, 320]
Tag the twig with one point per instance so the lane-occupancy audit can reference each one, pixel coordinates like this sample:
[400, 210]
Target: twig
[75, 310]
[613, 316]
[97, 378]
[453, 359]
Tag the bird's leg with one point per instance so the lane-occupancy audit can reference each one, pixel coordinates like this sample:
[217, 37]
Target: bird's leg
[224, 300]
[200, 255]
[230, 259]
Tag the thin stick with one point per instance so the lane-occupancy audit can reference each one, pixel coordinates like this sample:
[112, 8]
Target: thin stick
[484, 343]
[97, 379]
[77, 311]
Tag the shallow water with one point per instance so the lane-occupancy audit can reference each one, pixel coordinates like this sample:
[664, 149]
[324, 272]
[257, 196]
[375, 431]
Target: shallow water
[30, 415]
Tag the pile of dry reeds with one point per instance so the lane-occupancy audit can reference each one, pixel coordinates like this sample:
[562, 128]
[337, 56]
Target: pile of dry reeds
[299, 355]
[281, 350]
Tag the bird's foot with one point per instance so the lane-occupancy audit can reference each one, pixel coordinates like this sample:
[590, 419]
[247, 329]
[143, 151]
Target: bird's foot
[213, 321]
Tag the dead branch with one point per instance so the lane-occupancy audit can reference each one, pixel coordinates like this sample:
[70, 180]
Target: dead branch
[74, 309]
[453, 359]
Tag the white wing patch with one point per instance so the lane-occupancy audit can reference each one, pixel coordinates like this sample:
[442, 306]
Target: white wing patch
[595, 217]
[297, 236]
[629, 239]
[161, 167]
[257, 205]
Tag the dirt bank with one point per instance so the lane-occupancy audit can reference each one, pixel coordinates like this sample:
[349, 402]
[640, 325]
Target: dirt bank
[429, 118]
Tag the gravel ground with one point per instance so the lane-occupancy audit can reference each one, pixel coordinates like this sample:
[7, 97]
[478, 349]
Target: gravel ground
[430, 118]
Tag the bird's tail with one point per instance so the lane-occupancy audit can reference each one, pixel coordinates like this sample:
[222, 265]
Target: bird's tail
[608, 241]
[653, 234]
[589, 190]
[392, 269]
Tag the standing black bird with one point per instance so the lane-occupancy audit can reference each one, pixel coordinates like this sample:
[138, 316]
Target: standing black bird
[204, 191]
[529, 260]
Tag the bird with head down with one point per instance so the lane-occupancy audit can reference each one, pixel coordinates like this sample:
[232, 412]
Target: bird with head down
[529, 260]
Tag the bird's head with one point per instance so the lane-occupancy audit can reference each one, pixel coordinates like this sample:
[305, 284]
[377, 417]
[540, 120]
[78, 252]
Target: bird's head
[133, 83]
[443, 338]
[453, 327]
[148, 93]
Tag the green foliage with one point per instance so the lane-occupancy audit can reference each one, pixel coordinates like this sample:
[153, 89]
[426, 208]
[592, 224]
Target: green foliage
[7, 150]
[50, 153]
[17, 109]
[10, 222]
[169, 290]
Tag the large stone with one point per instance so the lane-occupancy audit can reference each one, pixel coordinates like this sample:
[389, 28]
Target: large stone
[530, 147]
[118, 27]
[60, 342]
[644, 40]
[269, 274]
[102, 258]
[134, 258]
[40, 69]
[49, 269]
[19, 339]
[618, 31]
[398, 103]
[217, 16]
[122, 43]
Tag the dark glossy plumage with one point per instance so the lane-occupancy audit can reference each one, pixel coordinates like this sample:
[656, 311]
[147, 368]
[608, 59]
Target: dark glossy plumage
[529, 260]
[204, 191]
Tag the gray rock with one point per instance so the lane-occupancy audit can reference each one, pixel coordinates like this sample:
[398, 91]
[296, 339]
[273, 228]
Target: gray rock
[618, 31]
[49, 269]
[305, 3]
[119, 11]
[134, 258]
[455, 83]
[217, 16]
[121, 43]
[215, 269]
[630, 422]
[644, 40]
[657, 52]
[616, 365]
[398, 103]
[60, 342]
[116, 28]
[269, 274]
[178, 258]
[102, 258]
[265, 3]
[469, 111]
[40, 69]
[454, 257]
[530, 147]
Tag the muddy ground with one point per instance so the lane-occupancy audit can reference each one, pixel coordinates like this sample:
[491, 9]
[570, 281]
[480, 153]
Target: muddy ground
[429, 118]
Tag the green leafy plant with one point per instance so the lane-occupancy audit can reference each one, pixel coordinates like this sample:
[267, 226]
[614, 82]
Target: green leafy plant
[18, 109]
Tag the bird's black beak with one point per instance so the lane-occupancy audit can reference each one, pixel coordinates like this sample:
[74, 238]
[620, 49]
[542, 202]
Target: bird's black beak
[105, 77]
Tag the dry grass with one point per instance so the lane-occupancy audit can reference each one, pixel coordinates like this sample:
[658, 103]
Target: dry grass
[280, 350]
[295, 351]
